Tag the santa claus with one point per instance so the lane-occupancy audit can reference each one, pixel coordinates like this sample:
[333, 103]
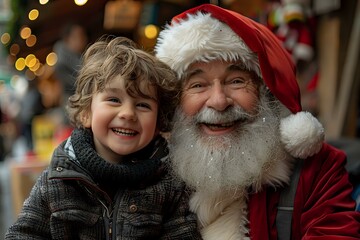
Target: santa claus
[239, 130]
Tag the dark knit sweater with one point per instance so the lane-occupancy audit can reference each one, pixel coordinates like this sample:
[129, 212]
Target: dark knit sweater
[138, 168]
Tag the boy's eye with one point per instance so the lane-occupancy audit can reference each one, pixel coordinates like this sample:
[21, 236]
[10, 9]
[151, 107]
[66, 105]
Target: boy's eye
[144, 105]
[113, 99]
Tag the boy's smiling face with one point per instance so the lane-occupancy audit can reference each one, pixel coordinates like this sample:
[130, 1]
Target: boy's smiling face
[122, 124]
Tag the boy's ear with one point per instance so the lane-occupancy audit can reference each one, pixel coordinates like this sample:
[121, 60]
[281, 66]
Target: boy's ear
[86, 120]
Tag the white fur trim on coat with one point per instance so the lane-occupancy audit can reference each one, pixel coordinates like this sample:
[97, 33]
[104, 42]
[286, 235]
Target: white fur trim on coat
[302, 134]
[221, 215]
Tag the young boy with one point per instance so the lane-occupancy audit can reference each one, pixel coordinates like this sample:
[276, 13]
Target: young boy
[109, 179]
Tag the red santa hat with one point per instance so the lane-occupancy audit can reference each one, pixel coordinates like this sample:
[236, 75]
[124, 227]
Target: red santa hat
[208, 32]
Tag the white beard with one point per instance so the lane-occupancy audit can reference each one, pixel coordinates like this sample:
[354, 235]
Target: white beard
[221, 169]
[250, 156]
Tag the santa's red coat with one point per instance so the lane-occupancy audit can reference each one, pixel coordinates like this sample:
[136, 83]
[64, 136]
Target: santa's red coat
[323, 207]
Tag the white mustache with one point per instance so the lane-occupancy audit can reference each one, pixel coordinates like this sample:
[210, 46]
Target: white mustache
[232, 114]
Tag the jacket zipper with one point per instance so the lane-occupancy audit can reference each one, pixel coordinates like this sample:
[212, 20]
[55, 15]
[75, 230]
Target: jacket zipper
[107, 215]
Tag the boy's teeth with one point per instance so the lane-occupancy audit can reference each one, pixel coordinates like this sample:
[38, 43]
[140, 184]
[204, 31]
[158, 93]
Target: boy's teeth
[124, 131]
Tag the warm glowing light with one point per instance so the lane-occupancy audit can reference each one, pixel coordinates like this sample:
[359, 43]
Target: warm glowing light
[33, 62]
[29, 58]
[33, 14]
[14, 49]
[151, 31]
[5, 38]
[43, 2]
[31, 40]
[25, 32]
[20, 64]
[51, 59]
[80, 2]
[36, 66]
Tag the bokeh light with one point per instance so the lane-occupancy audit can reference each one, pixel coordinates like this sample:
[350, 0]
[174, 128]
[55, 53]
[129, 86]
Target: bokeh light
[33, 14]
[43, 2]
[31, 40]
[51, 59]
[25, 32]
[14, 49]
[5, 38]
[20, 64]
[80, 2]
[151, 31]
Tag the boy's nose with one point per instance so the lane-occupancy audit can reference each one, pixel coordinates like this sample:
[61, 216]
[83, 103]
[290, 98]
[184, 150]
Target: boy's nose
[127, 112]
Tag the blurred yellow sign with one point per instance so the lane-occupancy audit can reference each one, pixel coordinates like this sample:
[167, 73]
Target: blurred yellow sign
[43, 130]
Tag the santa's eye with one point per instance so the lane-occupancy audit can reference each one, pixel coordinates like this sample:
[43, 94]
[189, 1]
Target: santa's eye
[196, 85]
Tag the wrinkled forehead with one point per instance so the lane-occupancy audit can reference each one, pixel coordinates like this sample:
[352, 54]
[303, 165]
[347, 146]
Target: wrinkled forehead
[218, 66]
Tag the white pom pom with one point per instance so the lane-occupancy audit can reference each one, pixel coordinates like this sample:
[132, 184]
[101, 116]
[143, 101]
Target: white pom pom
[302, 134]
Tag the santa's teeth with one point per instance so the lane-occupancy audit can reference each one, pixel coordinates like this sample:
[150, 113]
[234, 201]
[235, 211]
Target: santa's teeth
[227, 124]
[215, 127]
[222, 125]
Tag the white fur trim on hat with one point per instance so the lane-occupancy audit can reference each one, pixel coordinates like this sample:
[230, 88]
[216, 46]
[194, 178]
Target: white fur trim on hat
[201, 37]
[302, 134]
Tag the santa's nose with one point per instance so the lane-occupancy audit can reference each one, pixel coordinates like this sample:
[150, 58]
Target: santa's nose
[218, 98]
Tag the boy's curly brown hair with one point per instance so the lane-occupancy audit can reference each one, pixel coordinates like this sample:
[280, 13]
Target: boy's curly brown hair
[110, 57]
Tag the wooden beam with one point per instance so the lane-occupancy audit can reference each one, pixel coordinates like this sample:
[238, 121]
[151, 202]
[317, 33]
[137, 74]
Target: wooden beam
[348, 74]
[328, 39]
[335, 104]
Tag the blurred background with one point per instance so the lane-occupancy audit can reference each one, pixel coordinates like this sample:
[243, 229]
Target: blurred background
[41, 42]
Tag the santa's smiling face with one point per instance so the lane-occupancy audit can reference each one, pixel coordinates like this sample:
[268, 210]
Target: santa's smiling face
[219, 85]
[226, 132]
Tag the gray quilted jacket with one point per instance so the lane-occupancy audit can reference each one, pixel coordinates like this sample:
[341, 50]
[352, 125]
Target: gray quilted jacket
[65, 203]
